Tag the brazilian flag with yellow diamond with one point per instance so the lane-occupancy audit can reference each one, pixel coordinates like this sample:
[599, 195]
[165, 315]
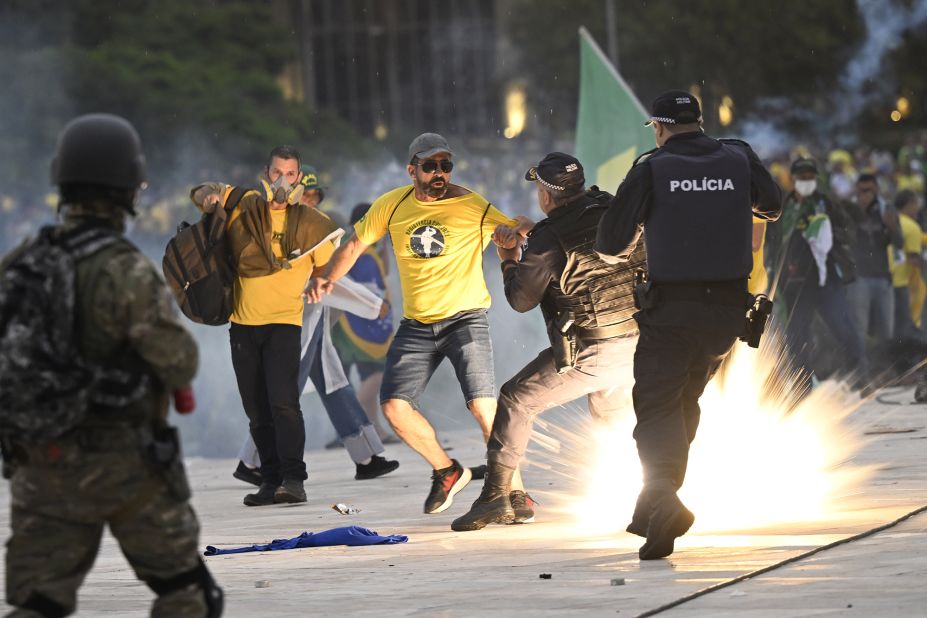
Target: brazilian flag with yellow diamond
[610, 131]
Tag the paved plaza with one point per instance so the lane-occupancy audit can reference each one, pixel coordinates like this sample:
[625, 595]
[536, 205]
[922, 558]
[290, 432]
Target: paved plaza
[496, 572]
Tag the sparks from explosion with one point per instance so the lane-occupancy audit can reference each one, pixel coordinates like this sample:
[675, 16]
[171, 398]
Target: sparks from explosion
[758, 461]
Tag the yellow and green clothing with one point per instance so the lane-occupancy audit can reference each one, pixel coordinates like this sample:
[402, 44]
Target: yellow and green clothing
[439, 249]
[903, 275]
[361, 340]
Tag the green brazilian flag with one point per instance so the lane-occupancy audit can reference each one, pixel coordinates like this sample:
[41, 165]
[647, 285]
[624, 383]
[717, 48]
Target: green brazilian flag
[610, 131]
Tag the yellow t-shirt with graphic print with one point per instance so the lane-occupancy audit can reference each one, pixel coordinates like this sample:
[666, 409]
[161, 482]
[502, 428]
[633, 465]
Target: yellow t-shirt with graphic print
[277, 298]
[439, 249]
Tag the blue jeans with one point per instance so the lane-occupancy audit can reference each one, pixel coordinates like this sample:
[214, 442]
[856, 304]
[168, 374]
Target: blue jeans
[344, 410]
[830, 303]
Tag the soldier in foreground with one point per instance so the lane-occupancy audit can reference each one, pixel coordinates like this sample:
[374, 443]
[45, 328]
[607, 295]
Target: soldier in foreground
[110, 458]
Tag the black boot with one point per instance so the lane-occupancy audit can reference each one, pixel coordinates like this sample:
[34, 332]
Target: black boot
[493, 506]
[291, 491]
[641, 516]
[263, 497]
[669, 518]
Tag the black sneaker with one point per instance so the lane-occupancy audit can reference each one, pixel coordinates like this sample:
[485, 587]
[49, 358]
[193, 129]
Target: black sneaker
[669, 519]
[248, 475]
[378, 466]
[263, 497]
[523, 505]
[444, 485]
[290, 492]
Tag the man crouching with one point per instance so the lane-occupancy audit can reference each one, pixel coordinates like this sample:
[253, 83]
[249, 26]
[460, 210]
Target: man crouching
[587, 306]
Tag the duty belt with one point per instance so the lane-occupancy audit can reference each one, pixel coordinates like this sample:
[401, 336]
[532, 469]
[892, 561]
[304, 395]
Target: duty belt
[605, 332]
[726, 293]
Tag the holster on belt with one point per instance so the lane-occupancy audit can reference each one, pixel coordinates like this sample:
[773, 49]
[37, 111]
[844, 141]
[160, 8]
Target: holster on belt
[645, 296]
[562, 342]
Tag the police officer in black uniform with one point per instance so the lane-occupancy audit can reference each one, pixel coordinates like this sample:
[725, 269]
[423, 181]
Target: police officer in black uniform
[588, 307]
[693, 197]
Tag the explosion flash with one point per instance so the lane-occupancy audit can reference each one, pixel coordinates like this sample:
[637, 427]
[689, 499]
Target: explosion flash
[759, 459]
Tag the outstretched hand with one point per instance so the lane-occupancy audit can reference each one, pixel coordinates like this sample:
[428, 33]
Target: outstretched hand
[316, 289]
[505, 237]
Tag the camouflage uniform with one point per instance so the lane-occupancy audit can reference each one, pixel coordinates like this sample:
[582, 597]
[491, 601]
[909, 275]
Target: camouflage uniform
[63, 494]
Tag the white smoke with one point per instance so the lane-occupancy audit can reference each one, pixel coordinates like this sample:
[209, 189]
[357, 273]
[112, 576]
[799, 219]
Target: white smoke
[886, 22]
[862, 82]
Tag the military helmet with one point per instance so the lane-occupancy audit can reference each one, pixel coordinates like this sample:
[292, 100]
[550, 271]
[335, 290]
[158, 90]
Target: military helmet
[99, 149]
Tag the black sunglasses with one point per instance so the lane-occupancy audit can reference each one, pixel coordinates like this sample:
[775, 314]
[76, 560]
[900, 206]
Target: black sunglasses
[430, 166]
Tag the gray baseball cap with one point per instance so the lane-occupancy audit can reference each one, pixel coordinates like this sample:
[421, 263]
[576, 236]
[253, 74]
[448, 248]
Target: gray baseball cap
[427, 145]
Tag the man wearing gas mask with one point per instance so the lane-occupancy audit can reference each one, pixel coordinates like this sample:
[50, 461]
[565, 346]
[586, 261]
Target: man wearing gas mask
[275, 243]
[810, 263]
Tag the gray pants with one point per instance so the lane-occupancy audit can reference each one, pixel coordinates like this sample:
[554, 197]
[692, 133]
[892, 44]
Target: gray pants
[872, 302]
[602, 367]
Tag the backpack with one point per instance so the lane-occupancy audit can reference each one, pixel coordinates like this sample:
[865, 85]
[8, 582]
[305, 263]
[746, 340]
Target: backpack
[46, 386]
[198, 268]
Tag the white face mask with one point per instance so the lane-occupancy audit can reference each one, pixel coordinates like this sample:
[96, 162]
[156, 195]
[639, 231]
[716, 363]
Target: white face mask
[805, 187]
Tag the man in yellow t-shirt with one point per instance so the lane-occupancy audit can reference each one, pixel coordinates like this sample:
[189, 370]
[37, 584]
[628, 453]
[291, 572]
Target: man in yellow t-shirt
[907, 276]
[276, 243]
[439, 232]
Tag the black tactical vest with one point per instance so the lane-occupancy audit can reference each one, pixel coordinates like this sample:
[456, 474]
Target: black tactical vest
[700, 223]
[598, 294]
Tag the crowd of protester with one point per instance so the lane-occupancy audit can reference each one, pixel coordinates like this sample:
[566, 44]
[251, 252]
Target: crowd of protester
[864, 316]
[884, 295]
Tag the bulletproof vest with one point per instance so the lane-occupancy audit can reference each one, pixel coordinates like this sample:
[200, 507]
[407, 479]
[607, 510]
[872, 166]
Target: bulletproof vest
[597, 294]
[700, 223]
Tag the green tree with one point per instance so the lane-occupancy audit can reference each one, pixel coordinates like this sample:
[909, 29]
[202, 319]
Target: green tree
[746, 50]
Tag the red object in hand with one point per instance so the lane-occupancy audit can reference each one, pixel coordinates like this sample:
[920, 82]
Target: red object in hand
[184, 401]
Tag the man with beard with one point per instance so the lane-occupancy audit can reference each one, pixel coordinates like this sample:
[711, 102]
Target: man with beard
[439, 231]
[275, 243]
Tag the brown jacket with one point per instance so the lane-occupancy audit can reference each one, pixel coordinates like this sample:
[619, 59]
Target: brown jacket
[250, 231]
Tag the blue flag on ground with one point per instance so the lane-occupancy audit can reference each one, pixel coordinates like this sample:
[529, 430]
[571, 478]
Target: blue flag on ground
[349, 535]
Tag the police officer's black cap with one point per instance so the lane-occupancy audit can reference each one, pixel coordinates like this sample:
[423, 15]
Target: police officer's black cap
[675, 107]
[558, 172]
[804, 164]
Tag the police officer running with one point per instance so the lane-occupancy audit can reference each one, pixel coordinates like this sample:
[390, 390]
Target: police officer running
[692, 196]
[587, 307]
[117, 464]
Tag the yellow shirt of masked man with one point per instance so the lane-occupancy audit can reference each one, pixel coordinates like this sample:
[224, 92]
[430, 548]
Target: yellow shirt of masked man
[439, 249]
[277, 298]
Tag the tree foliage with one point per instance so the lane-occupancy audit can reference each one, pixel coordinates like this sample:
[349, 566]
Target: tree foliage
[746, 50]
[199, 74]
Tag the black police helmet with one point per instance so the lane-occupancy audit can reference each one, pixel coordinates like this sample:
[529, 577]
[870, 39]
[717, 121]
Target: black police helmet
[99, 149]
